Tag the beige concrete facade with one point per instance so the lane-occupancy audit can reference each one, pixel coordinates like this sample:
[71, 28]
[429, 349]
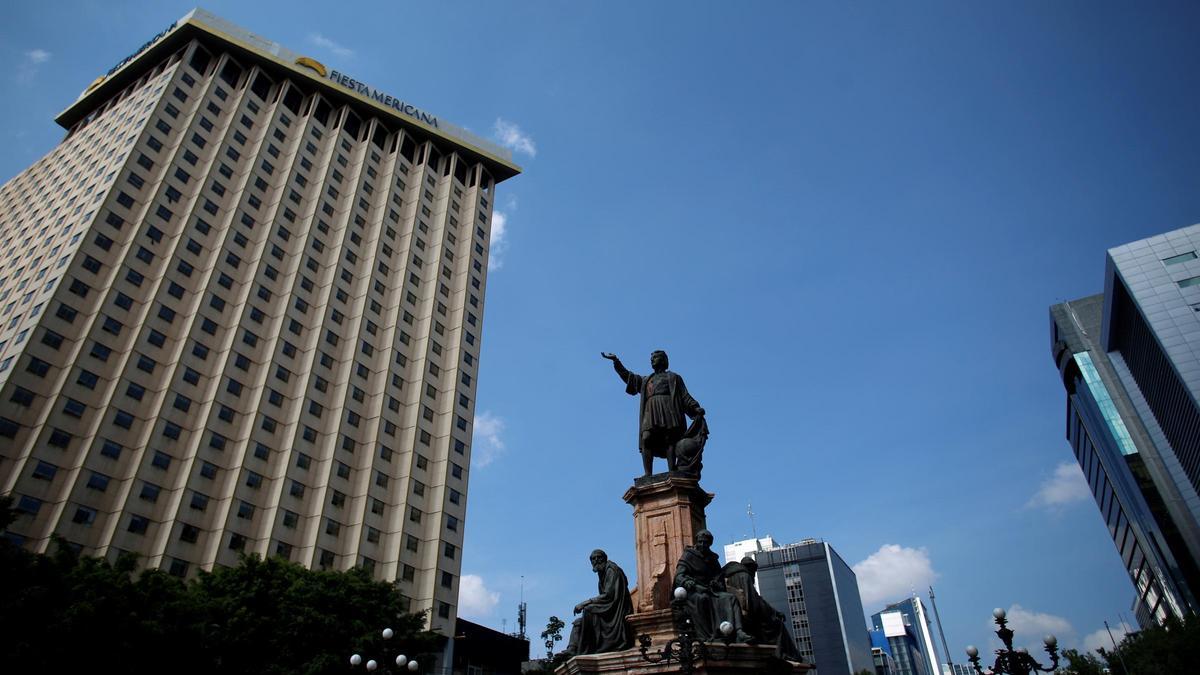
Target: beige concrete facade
[241, 311]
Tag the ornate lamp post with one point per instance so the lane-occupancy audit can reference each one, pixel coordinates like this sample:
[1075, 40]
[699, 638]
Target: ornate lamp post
[402, 662]
[1008, 660]
[685, 648]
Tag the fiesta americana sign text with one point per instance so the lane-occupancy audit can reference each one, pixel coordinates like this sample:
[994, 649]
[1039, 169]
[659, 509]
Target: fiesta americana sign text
[386, 99]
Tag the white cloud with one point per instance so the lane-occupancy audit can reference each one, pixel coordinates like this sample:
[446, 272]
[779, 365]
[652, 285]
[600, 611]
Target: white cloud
[1095, 640]
[1066, 486]
[1031, 627]
[28, 68]
[325, 43]
[892, 573]
[511, 136]
[487, 438]
[498, 243]
[475, 601]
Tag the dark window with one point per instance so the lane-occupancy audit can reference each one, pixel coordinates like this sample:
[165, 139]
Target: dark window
[150, 492]
[59, 438]
[74, 408]
[199, 501]
[44, 471]
[138, 524]
[98, 481]
[38, 367]
[52, 339]
[111, 449]
[84, 515]
[123, 419]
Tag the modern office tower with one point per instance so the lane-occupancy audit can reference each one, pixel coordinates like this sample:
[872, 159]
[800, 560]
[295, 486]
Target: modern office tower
[905, 628]
[811, 584]
[242, 303]
[1130, 362]
[881, 654]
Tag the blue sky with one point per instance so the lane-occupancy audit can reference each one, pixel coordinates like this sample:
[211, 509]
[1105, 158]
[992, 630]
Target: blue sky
[844, 221]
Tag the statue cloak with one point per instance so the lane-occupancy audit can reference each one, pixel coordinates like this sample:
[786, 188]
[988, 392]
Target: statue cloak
[603, 626]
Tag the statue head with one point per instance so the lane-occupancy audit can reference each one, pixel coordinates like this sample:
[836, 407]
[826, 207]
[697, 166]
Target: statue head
[750, 564]
[704, 540]
[658, 360]
[599, 558]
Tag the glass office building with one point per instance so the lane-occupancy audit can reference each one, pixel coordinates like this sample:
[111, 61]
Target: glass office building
[1130, 362]
[903, 630]
[818, 592]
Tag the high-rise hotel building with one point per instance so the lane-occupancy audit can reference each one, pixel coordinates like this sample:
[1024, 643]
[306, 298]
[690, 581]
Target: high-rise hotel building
[240, 312]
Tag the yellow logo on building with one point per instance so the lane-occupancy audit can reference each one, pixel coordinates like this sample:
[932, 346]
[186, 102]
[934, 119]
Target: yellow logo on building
[95, 83]
[311, 64]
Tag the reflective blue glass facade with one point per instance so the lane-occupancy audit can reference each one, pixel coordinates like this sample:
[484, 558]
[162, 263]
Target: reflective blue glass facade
[1130, 363]
[905, 628]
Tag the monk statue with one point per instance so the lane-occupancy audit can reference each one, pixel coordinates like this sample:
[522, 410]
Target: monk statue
[664, 402]
[602, 625]
[708, 603]
[759, 619]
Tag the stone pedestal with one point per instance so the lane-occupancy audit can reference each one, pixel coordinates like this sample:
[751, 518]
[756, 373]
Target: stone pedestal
[668, 511]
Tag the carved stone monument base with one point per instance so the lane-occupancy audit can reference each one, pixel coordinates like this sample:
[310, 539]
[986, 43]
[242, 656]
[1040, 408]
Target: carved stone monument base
[668, 511]
[736, 659]
[658, 624]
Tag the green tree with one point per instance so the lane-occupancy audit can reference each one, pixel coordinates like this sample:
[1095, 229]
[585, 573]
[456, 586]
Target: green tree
[1080, 663]
[552, 634]
[266, 617]
[1158, 650]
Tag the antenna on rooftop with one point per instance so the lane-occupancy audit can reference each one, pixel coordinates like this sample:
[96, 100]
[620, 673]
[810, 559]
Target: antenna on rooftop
[521, 611]
[753, 527]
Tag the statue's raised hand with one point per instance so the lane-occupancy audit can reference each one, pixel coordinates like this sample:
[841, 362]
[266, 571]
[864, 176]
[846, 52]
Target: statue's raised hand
[610, 357]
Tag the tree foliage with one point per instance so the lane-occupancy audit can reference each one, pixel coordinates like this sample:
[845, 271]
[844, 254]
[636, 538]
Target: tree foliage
[1168, 649]
[267, 617]
[1158, 650]
[552, 634]
[1080, 663]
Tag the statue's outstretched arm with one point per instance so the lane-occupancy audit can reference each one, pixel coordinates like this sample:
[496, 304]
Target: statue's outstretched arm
[622, 371]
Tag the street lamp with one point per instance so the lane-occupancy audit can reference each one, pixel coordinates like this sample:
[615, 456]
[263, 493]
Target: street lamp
[685, 649]
[402, 662]
[1014, 661]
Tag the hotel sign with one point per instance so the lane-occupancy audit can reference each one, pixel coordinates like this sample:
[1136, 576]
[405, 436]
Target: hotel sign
[381, 97]
[141, 49]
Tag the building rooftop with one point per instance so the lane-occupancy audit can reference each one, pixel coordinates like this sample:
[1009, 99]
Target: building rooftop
[281, 61]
